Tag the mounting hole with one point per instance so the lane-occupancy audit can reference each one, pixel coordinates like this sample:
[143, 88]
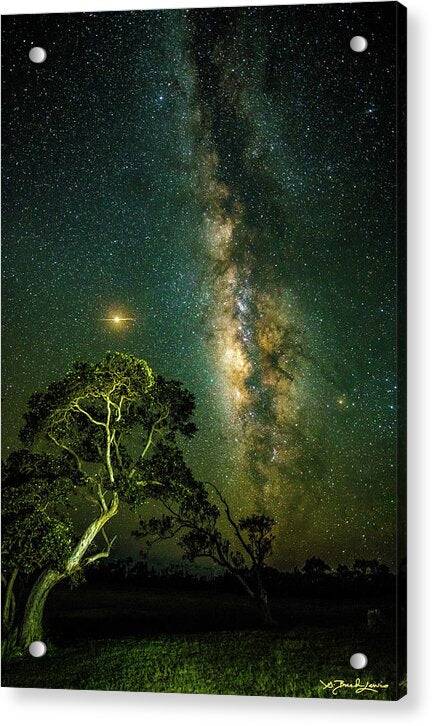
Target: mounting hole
[358, 43]
[358, 661]
[37, 55]
[37, 649]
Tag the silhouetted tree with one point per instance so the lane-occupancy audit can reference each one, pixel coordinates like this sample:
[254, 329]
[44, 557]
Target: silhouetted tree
[366, 567]
[343, 572]
[191, 517]
[315, 568]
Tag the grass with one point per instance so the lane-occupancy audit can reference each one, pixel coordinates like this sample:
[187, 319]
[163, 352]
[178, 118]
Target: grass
[243, 662]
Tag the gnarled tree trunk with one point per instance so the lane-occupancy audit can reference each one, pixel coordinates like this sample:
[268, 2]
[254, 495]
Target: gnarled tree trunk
[32, 625]
[259, 596]
[262, 601]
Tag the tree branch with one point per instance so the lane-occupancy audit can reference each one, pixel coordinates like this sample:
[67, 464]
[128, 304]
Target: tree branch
[152, 430]
[101, 497]
[66, 448]
[234, 525]
[117, 450]
[89, 535]
[77, 407]
[100, 555]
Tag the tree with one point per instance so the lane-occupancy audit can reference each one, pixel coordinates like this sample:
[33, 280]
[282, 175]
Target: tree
[190, 516]
[36, 531]
[343, 572]
[103, 421]
[365, 568]
[315, 568]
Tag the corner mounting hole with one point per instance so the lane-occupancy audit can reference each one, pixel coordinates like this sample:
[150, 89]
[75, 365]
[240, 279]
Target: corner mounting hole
[358, 43]
[37, 54]
[358, 661]
[37, 649]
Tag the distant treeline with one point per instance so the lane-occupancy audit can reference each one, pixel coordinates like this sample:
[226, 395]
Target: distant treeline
[316, 577]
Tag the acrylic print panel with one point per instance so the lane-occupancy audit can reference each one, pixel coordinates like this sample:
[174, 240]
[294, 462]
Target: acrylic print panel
[203, 306]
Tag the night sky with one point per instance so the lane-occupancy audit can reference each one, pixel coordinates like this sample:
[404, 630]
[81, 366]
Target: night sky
[226, 179]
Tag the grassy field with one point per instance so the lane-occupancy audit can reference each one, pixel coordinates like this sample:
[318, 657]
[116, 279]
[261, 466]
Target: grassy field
[136, 656]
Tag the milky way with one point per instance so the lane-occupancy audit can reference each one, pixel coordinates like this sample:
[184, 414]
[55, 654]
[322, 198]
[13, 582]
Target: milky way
[255, 342]
[254, 345]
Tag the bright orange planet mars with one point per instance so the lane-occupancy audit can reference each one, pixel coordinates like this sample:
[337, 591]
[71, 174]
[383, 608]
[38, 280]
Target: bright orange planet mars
[118, 320]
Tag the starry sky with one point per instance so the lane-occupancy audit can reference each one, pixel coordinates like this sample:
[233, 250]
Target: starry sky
[226, 180]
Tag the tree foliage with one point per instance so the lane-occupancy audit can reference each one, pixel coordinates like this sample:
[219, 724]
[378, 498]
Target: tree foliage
[106, 418]
[37, 530]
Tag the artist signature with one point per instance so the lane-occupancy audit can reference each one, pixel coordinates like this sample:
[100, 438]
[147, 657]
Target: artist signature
[358, 687]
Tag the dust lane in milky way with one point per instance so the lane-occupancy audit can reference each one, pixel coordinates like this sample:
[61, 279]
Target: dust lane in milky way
[255, 348]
